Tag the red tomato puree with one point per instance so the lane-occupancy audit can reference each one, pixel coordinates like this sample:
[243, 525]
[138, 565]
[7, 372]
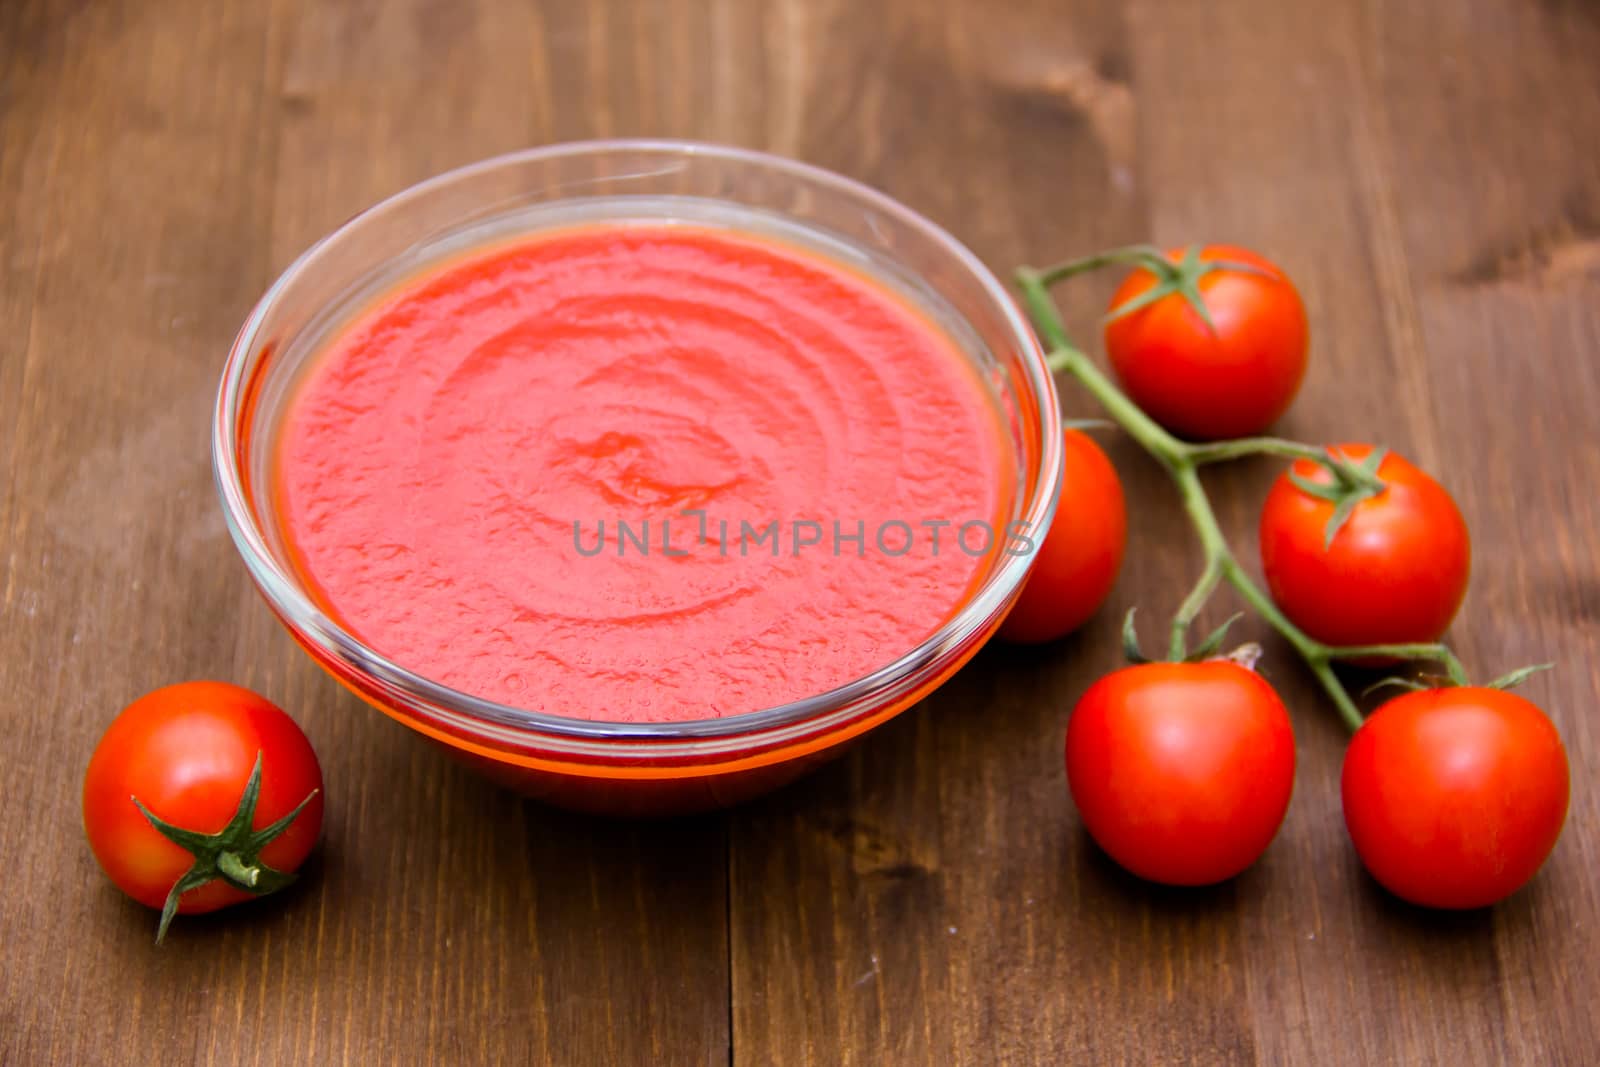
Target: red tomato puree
[453, 469]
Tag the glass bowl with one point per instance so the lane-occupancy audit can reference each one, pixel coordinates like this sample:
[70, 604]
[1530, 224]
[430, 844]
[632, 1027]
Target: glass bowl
[628, 768]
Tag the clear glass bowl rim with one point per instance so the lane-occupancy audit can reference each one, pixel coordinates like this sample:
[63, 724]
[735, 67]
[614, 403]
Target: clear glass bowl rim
[309, 622]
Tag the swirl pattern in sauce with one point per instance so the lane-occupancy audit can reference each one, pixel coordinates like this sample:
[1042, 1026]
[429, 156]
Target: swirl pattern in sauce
[434, 463]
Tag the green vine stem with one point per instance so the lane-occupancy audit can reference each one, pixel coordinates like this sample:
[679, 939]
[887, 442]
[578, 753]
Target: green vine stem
[1220, 451]
[1182, 461]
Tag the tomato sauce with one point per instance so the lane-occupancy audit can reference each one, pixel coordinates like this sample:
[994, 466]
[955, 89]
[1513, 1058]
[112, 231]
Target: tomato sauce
[617, 472]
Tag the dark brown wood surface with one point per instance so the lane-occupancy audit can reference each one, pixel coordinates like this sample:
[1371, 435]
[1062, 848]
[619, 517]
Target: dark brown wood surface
[1428, 172]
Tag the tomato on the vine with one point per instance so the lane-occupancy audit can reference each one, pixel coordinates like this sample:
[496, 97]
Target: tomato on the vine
[1454, 797]
[1230, 378]
[1182, 772]
[201, 795]
[1394, 573]
[1075, 567]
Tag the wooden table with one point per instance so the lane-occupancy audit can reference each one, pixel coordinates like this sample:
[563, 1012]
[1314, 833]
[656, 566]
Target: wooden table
[1427, 171]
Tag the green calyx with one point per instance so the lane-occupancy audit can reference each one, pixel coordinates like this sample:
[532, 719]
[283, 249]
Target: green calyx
[1348, 484]
[1512, 679]
[232, 854]
[1209, 648]
[1180, 277]
[1130, 640]
[1410, 685]
[1455, 678]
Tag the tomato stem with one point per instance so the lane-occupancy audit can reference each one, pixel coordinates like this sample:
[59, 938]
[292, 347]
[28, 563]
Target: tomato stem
[1182, 461]
[1219, 451]
[232, 867]
[1149, 257]
[1434, 653]
[1178, 647]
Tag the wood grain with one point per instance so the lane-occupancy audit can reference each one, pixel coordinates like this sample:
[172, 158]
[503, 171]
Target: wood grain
[1425, 171]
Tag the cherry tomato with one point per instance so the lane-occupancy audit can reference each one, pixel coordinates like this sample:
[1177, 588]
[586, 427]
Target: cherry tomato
[1396, 571]
[1076, 566]
[1181, 771]
[1454, 797]
[187, 753]
[1207, 383]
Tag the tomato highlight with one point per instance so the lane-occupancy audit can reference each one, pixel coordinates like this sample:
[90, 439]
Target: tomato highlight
[1395, 571]
[1182, 772]
[1455, 797]
[1206, 380]
[201, 795]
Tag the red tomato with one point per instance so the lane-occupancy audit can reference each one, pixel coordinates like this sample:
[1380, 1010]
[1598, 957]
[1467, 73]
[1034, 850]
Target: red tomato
[1396, 571]
[1181, 771]
[1454, 797]
[1203, 383]
[1076, 566]
[186, 752]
